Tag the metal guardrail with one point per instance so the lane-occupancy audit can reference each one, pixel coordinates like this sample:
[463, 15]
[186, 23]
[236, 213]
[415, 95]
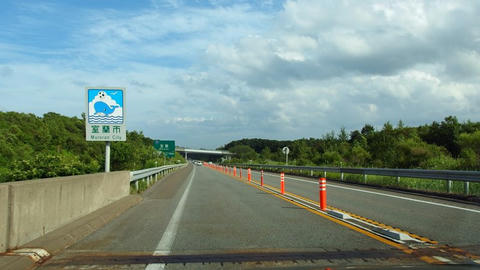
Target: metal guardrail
[449, 175]
[151, 174]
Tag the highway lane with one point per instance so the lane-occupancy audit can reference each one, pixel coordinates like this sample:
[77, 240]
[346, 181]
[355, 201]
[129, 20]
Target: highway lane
[233, 216]
[198, 211]
[447, 222]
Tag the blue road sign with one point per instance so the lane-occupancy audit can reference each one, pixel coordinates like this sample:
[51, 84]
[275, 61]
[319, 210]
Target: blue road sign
[105, 114]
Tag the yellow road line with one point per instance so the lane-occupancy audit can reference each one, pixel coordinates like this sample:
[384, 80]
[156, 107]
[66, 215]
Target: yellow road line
[403, 248]
[379, 224]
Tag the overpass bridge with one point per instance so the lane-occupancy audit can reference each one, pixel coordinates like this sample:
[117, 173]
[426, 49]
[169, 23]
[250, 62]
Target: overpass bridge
[204, 154]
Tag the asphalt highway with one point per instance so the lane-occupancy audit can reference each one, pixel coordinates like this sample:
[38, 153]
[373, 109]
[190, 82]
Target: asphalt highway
[444, 221]
[200, 218]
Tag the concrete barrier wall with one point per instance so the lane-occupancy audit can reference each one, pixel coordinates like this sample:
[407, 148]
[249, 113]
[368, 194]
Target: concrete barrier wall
[3, 217]
[36, 207]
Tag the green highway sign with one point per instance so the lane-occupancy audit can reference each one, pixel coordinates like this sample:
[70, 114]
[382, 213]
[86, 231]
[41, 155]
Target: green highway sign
[166, 147]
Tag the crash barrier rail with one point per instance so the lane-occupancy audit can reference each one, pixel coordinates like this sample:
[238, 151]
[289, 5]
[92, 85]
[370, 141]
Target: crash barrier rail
[151, 174]
[449, 175]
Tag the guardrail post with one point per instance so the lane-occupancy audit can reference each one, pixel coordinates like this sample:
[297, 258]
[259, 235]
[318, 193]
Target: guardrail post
[364, 178]
[136, 185]
[466, 187]
[311, 172]
[325, 174]
[341, 176]
[449, 186]
[398, 180]
[156, 177]
[282, 183]
[322, 189]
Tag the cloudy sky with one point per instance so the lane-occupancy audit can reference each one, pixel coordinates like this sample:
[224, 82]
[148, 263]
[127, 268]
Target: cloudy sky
[208, 72]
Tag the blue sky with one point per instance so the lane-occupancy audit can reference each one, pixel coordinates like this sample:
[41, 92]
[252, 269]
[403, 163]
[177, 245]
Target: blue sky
[207, 72]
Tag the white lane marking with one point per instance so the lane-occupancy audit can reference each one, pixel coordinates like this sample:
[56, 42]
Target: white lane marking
[165, 244]
[386, 195]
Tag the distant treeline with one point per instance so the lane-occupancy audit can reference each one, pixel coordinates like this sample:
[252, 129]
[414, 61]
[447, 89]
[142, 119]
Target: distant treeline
[55, 145]
[445, 145]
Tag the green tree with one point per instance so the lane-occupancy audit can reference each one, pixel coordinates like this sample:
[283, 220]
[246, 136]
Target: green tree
[55, 145]
[357, 138]
[343, 137]
[266, 153]
[444, 134]
[359, 156]
[367, 130]
[332, 158]
[243, 152]
[469, 160]
[470, 150]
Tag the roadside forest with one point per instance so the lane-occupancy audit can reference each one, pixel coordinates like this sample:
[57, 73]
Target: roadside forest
[448, 144]
[54, 145]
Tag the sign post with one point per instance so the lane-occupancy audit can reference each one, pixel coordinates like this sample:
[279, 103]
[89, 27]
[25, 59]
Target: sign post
[286, 150]
[105, 117]
[107, 157]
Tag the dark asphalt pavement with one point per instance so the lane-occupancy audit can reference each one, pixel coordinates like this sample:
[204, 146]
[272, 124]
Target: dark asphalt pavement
[445, 221]
[198, 211]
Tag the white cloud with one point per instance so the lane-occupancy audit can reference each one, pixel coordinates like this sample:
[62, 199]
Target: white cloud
[372, 108]
[350, 44]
